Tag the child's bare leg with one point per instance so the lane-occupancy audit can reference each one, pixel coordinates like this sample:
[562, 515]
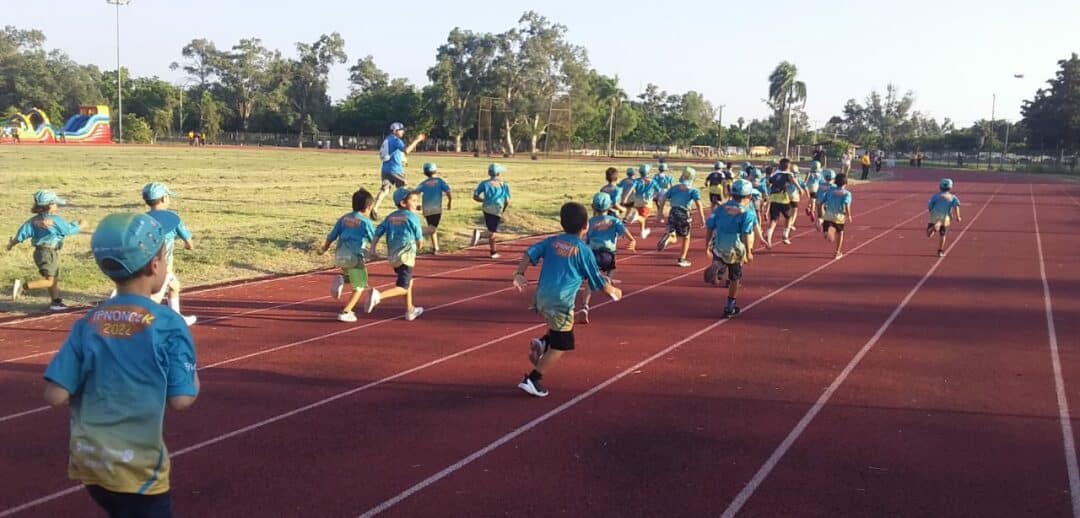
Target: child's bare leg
[839, 243]
[941, 242]
[174, 294]
[831, 234]
[685, 247]
[396, 291]
[357, 294]
[548, 360]
[733, 289]
[408, 298]
[491, 242]
[47, 282]
[772, 228]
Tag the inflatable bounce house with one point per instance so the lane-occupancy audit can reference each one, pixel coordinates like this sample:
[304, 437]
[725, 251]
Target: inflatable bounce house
[89, 126]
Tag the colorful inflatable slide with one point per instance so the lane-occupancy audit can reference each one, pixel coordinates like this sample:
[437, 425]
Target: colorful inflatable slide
[89, 126]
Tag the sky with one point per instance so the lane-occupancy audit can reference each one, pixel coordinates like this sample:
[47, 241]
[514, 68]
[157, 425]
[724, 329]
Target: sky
[954, 54]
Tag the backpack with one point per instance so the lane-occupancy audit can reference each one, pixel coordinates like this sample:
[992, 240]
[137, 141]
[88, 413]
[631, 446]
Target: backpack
[778, 183]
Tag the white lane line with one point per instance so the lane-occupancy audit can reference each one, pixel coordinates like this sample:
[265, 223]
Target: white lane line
[1068, 439]
[27, 357]
[770, 463]
[1066, 192]
[591, 392]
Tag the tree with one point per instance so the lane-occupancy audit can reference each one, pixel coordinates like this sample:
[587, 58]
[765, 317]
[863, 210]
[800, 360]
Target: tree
[137, 130]
[463, 69]
[245, 77]
[210, 115]
[365, 75]
[785, 91]
[610, 97]
[307, 86]
[1052, 117]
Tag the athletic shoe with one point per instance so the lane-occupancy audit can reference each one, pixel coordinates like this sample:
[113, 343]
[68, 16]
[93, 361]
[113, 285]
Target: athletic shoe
[57, 305]
[346, 317]
[190, 320]
[730, 311]
[682, 263]
[532, 388]
[16, 289]
[495, 255]
[475, 237]
[336, 286]
[584, 314]
[414, 314]
[537, 348]
[434, 251]
[941, 253]
[663, 242]
[838, 255]
[373, 300]
[645, 233]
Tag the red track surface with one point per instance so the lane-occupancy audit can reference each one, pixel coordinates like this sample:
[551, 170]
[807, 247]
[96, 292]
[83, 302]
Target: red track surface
[942, 402]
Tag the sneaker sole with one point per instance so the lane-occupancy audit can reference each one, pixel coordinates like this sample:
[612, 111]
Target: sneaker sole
[528, 390]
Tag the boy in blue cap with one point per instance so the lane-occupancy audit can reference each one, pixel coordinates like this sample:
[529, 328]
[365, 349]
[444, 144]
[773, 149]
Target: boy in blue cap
[602, 237]
[645, 191]
[664, 182]
[681, 197]
[627, 200]
[46, 232]
[729, 240]
[613, 190]
[812, 184]
[943, 206]
[404, 237]
[494, 195]
[392, 155]
[567, 261]
[432, 191]
[835, 212]
[354, 233]
[119, 367]
[718, 182]
[158, 197]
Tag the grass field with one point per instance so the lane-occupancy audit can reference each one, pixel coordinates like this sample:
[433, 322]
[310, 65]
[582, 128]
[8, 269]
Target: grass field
[254, 212]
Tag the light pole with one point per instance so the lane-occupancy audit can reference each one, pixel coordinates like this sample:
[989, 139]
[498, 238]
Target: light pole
[181, 87]
[119, 81]
[720, 131]
[990, 154]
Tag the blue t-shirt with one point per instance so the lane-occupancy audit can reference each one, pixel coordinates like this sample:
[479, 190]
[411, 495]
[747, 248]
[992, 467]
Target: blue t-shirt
[181, 232]
[604, 232]
[402, 229]
[663, 181]
[392, 154]
[120, 363]
[625, 188]
[683, 196]
[46, 230]
[834, 203]
[495, 193]
[566, 262]
[941, 205]
[729, 222]
[824, 190]
[813, 181]
[760, 191]
[353, 232]
[431, 191]
[645, 189]
[614, 192]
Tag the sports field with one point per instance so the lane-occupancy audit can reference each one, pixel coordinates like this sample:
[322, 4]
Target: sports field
[890, 382]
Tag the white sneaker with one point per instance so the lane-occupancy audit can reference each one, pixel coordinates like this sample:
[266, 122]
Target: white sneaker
[347, 317]
[475, 237]
[414, 314]
[532, 388]
[786, 241]
[373, 300]
[16, 289]
[495, 255]
[838, 255]
[336, 286]
[683, 263]
[190, 320]
[645, 233]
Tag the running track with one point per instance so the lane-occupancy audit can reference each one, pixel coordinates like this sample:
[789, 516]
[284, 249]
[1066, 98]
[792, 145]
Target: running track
[886, 383]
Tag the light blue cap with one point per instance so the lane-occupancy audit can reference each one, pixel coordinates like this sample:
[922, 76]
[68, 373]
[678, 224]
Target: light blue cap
[601, 201]
[495, 169]
[44, 198]
[663, 166]
[156, 191]
[828, 174]
[401, 194]
[742, 187]
[430, 167]
[688, 175]
[397, 126]
[718, 165]
[645, 168]
[123, 244]
[630, 172]
[815, 166]
[946, 183]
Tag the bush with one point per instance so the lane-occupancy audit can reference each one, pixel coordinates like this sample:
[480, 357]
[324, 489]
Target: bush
[136, 130]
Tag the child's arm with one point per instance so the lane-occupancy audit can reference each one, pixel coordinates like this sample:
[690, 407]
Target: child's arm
[708, 240]
[24, 233]
[701, 212]
[847, 213]
[520, 282]
[449, 201]
[748, 240]
[415, 142]
[55, 395]
[956, 210]
[180, 403]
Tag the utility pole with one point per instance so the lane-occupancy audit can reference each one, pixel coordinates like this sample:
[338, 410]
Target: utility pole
[119, 80]
[990, 154]
[720, 131]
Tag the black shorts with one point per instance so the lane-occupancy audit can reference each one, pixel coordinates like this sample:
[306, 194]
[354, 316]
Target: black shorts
[734, 271]
[492, 222]
[778, 209]
[678, 221]
[433, 220]
[794, 205]
[560, 340]
[131, 504]
[716, 198]
[942, 231]
[826, 224]
[394, 179]
[605, 259]
[47, 261]
[404, 276]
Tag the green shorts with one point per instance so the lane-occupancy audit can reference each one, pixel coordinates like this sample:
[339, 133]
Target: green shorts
[47, 261]
[357, 277]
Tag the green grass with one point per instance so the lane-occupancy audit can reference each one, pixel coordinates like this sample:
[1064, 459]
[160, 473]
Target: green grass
[254, 212]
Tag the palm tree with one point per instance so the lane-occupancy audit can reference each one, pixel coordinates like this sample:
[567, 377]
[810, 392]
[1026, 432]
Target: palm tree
[609, 95]
[784, 92]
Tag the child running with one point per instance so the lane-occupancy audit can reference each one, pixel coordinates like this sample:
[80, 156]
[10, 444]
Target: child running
[729, 240]
[567, 260]
[614, 191]
[404, 237]
[602, 237]
[644, 193]
[494, 194]
[46, 232]
[943, 207]
[716, 182]
[835, 212]
[120, 366]
[812, 183]
[432, 191]
[664, 182]
[780, 201]
[627, 194]
[681, 197]
[354, 233]
[158, 197]
[795, 191]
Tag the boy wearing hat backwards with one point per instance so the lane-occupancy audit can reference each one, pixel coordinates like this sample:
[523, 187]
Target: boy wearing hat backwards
[158, 197]
[494, 195]
[602, 237]
[392, 154]
[729, 240]
[404, 237]
[46, 231]
[432, 191]
[943, 206]
[128, 349]
[681, 197]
